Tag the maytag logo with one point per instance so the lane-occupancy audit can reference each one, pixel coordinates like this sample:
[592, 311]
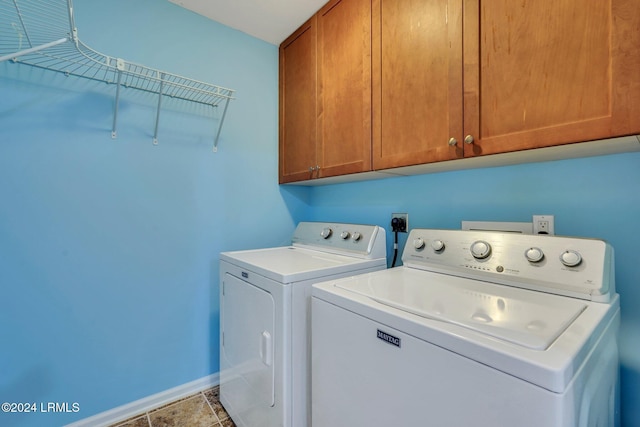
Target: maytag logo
[388, 338]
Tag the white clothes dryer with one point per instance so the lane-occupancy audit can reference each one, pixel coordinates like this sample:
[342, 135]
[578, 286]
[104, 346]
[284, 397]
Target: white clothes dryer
[265, 306]
[480, 329]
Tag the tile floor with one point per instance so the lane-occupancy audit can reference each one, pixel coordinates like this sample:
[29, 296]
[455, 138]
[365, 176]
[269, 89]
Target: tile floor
[199, 410]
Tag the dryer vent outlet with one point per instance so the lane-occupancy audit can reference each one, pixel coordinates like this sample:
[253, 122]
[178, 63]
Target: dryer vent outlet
[399, 222]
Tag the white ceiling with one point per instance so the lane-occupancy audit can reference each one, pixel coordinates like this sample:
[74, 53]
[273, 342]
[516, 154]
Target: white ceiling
[269, 20]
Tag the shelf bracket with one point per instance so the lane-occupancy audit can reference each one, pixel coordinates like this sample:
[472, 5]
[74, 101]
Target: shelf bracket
[224, 113]
[115, 108]
[33, 49]
[155, 132]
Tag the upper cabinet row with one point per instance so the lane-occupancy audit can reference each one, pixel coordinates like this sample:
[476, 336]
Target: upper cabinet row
[378, 84]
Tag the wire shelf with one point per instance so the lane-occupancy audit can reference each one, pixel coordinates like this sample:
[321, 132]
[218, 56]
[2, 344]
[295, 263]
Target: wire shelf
[42, 33]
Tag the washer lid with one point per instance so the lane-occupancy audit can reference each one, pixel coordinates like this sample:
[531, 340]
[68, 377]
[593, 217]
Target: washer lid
[294, 264]
[530, 319]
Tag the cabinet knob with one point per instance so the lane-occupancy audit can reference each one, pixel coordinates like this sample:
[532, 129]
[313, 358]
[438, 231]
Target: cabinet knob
[453, 142]
[311, 169]
[468, 139]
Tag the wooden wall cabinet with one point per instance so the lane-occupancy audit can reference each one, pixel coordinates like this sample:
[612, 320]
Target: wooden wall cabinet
[325, 94]
[298, 103]
[540, 74]
[417, 81]
[448, 79]
[509, 76]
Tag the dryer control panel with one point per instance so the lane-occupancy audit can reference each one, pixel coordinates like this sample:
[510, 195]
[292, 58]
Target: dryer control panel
[571, 266]
[366, 241]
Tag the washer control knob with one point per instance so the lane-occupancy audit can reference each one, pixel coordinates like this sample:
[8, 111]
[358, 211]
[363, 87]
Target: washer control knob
[326, 233]
[356, 236]
[534, 254]
[437, 245]
[345, 235]
[418, 243]
[480, 249]
[570, 258]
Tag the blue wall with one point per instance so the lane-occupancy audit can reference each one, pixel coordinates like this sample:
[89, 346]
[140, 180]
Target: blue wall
[592, 197]
[109, 248]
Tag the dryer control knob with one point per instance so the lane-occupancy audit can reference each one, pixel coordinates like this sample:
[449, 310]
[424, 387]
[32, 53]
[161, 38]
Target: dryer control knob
[437, 245]
[418, 243]
[326, 233]
[345, 235]
[480, 249]
[570, 258]
[534, 254]
[356, 236]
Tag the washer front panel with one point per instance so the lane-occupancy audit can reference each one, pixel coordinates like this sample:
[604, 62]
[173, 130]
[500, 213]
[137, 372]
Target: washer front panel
[552, 368]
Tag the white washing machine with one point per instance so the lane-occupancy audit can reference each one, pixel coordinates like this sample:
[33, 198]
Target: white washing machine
[475, 329]
[265, 307]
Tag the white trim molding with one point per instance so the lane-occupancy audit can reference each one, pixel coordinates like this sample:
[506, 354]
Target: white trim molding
[148, 403]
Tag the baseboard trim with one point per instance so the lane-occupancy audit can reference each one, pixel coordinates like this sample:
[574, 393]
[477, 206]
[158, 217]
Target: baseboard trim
[145, 404]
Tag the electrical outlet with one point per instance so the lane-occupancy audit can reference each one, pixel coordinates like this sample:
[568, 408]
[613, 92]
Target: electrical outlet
[399, 222]
[543, 224]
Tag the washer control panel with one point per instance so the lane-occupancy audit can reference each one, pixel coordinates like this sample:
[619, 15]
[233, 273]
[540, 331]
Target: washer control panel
[355, 239]
[577, 267]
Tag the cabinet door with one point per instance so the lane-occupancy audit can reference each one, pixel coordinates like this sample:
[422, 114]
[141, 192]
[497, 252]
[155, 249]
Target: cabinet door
[298, 104]
[417, 83]
[344, 87]
[541, 73]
